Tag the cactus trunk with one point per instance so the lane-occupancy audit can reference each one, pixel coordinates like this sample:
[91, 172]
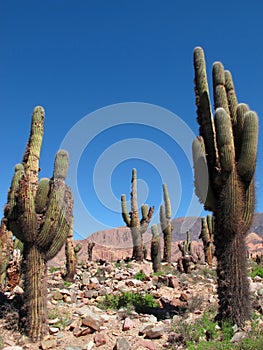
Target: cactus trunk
[35, 292]
[6, 248]
[156, 249]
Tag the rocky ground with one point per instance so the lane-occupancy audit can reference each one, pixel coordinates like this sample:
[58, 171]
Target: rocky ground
[77, 321]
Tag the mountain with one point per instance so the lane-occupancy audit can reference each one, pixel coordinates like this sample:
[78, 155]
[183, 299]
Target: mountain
[116, 243]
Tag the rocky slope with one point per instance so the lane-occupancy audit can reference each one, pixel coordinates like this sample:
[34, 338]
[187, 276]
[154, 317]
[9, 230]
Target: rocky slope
[78, 322]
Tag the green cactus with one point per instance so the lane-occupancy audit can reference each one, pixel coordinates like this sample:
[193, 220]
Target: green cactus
[166, 225]
[6, 248]
[132, 220]
[40, 215]
[207, 236]
[91, 245]
[184, 262]
[224, 156]
[155, 249]
[71, 253]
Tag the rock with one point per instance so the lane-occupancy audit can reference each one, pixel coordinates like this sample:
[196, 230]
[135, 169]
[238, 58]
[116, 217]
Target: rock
[85, 278]
[99, 339]
[18, 290]
[57, 295]
[154, 332]
[48, 344]
[122, 344]
[173, 281]
[12, 348]
[53, 330]
[128, 324]
[55, 320]
[73, 348]
[93, 321]
[237, 337]
[147, 344]
[183, 297]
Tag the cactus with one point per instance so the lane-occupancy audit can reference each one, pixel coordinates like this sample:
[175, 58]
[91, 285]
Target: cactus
[6, 249]
[207, 236]
[184, 262]
[71, 253]
[224, 157]
[132, 220]
[155, 249]
[91, 245]
[166, 225]
[40, 215]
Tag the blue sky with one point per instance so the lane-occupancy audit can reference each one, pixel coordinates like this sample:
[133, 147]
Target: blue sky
[116, 81]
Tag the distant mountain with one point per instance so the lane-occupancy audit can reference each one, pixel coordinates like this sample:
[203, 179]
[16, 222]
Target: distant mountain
[116, 243]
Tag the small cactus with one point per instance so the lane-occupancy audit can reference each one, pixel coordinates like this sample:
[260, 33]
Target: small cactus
[155, 249]
[91, 245]
[71, 252]
[184, 262]
[207, 236]
[166, 225]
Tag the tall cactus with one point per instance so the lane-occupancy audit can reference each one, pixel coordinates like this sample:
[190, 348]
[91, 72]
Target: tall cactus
[207, 236]
[155, 249]
[224, 156]
[132, 220]
[166, 225]
[40, 216]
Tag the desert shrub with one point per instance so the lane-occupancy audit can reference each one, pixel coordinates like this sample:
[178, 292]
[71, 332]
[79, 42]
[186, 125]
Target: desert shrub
[63, 318]
[256, 271]
[140, 276]
[140, 302]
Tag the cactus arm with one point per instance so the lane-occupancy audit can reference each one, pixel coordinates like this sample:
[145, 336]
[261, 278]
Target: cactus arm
[42, 196]
[167, 202]
[124, 210]
[247, 159]
[231, 97]
[220, 95]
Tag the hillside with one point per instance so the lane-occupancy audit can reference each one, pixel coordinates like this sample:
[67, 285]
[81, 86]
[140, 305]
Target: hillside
[116, 243]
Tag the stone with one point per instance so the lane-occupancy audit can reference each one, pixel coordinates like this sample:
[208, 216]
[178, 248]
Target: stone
[128, 324]
[53, 330]
[93, 321]
[99, 339]
[154, 332]
[237, 337]
[147, 344]
[12, 348]
[85, 278]
[57, 295]
[48, 344]
[173, 281]
[122, 344]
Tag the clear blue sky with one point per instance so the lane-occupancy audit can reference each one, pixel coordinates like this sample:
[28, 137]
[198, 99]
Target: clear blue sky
[77, 58]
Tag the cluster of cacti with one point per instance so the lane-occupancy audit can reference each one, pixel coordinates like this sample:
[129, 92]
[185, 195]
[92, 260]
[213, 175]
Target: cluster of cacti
[71, 253]
[207, 236]
[155, 249]
[166, 225]
[40, 215]
[184, 262]
[91, 245]
[224, 161]
[132, 219]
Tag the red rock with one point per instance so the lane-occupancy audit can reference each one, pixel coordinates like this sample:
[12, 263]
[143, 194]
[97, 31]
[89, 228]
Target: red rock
[99, 339]
[173, 282]
[147, 344]
[128, 324]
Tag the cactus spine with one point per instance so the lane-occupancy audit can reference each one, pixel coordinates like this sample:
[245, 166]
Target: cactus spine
[155, 249]
[132, 220]
[166, 225]
[41, 224]
[207, 236]
[224, 156]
